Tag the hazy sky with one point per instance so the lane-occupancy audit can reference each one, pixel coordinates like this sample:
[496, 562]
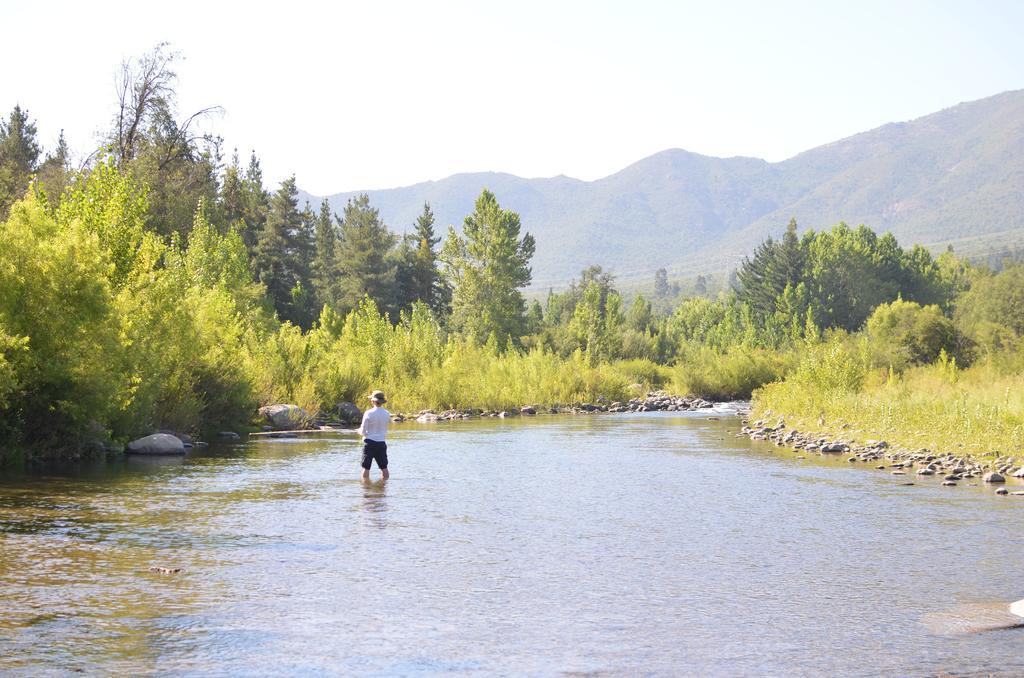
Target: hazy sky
[378, 94]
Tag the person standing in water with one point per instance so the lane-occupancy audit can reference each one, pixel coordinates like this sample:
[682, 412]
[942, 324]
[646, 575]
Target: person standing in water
[373, 429]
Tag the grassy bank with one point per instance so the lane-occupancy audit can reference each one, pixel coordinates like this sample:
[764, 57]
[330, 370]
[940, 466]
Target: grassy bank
[977, 411]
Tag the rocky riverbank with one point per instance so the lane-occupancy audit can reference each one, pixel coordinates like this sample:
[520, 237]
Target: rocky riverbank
[657, 401]
[948, 468]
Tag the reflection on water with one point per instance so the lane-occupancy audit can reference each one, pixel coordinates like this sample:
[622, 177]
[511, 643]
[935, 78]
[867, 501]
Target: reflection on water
[375, 502]
[648, 543]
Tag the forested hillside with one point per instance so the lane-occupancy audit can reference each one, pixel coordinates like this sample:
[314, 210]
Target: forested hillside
[953, 177]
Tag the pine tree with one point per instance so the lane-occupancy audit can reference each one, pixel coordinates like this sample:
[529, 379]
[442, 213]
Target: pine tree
[788, 266]
[19, 157]
[325, 261]
[274, 265]
[661, 283]
[231, 199]
[256, 202]
[419, 278]
[55, 173]
[486, 266]
[365, 264]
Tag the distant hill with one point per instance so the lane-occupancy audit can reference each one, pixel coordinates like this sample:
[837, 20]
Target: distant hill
[952, 177]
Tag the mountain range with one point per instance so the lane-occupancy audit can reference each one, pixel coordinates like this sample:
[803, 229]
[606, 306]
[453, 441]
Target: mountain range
[955, 177]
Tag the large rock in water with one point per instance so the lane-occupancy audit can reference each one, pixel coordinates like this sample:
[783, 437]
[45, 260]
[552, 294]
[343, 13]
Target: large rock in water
[349, 413]
[284, 417]
[156, 444]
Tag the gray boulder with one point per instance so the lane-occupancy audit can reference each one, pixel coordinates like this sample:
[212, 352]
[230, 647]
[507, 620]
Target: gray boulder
[993, 477]
[284, 417]
[156, 444]
[349, 413]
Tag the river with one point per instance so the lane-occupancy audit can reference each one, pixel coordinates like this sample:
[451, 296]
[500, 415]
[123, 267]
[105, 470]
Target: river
[655, 543]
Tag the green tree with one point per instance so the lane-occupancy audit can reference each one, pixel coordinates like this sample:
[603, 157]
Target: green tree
[325, 260]
[597, 321]
[59, 331]
[169, 155]
[366, 267]
[905, 333]
[661, 289]
[19, 157]
[641, 316]
[485, 267]
[774, 266]
[992, 310]
[419, 278]
[55, 174]
[275, 264]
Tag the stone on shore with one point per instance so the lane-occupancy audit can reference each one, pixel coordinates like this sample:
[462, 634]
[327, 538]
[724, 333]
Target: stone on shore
[284, 417]
[156, 444]
[993, 477]
[349, 413]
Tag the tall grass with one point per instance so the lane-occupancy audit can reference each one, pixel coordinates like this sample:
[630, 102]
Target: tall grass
[978, 411]
[420, 368]
[713, 374]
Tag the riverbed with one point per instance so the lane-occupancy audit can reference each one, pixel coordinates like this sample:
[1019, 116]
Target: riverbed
[653, 543]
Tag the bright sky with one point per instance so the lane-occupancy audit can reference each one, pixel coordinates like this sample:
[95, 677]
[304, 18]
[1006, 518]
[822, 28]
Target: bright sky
[370, 95]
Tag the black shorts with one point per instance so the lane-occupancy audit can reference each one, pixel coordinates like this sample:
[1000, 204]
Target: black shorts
[374, 450]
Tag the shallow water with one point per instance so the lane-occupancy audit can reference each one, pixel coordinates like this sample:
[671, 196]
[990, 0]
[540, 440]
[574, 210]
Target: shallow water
[648, 543]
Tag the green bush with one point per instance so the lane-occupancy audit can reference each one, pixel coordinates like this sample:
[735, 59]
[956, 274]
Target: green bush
[904, 333]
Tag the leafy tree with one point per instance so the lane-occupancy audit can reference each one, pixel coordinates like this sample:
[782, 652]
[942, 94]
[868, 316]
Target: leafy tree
[19, 157]
[114, 207]
[597, 321]
[641, 316]
[176, 161]
[366, 267]
[994, 301]
[905, 333]
[485, 267]
[60, 335]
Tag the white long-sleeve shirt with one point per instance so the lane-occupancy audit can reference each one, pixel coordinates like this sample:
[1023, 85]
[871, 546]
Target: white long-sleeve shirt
[375, 424]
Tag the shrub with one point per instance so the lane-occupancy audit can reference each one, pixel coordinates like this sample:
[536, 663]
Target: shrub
[904, 333]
